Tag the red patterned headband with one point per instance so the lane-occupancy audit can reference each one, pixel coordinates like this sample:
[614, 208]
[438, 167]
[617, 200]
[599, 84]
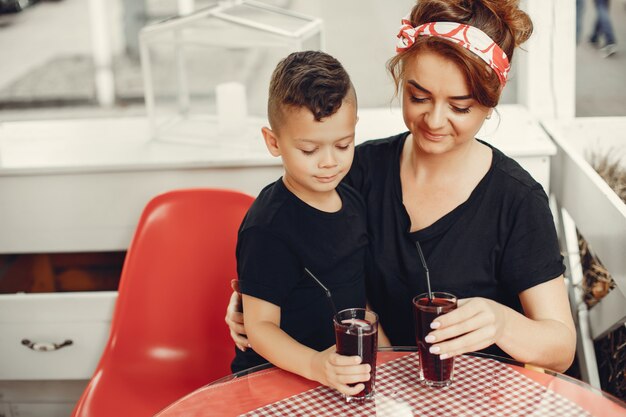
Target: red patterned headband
[469, 37]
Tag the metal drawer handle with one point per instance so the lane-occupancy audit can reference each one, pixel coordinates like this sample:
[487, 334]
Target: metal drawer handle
[45, 346]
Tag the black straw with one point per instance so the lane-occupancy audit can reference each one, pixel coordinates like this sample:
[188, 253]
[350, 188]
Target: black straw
[419, 250]
[326, 290]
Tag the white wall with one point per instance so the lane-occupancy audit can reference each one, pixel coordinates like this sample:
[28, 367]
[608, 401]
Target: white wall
[362, 35]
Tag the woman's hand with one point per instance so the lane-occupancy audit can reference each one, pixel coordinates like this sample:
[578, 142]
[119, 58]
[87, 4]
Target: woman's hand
[544, 335]
[234, 318]
[337, 371]
[475, 324]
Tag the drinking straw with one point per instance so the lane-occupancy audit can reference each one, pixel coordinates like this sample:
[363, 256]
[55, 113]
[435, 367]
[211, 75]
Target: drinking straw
[419, 250]
[326, 290]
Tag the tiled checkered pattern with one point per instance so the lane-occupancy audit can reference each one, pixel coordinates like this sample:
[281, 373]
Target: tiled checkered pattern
[481, 388]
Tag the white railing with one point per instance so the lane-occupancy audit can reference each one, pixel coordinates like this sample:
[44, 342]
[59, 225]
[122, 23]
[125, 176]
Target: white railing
[584, 201]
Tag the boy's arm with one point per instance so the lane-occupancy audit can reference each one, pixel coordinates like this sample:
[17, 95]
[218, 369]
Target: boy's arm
[262, 322]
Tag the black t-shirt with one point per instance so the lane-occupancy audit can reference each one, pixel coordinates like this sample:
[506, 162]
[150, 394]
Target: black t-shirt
[278, 238]
[499, 242]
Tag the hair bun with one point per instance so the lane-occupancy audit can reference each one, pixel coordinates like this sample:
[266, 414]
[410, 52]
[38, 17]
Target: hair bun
[516, 20]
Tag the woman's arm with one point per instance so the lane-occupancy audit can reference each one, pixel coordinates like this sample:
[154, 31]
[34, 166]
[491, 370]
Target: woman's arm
[270, 341]
[383, 340]
[234, 320]
[547, 325]
[544, 336]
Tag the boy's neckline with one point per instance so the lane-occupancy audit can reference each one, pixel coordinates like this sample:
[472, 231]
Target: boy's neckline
[337, 205]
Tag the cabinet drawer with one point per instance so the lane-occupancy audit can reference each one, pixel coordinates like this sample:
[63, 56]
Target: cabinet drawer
[83, 318]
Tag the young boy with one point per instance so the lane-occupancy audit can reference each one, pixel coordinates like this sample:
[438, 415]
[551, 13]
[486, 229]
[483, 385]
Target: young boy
[306, 219]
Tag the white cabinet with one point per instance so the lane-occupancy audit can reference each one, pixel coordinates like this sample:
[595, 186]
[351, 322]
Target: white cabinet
[83, 319]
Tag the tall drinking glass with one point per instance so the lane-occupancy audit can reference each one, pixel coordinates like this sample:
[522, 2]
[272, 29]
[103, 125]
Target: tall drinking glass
[433, 371]
[356, 332]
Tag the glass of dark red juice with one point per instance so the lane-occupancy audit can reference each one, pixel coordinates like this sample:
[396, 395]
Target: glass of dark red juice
[433, 371]
[356, 331]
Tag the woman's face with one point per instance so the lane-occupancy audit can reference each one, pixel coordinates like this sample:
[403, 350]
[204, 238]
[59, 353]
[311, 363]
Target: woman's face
[437, 105]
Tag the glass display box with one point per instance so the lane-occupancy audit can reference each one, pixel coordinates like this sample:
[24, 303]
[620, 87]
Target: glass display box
[206, 74]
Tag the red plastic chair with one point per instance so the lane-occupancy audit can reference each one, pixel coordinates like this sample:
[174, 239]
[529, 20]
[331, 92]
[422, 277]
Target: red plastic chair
[168, 335]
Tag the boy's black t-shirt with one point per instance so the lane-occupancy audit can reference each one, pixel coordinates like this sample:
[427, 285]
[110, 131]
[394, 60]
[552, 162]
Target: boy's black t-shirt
[499, 242]
[278, 238]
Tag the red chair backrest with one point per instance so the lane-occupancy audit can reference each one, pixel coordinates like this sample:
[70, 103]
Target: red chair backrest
[168, 335]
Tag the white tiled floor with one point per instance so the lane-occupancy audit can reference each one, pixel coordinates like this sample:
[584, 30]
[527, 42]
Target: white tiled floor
[600, 82]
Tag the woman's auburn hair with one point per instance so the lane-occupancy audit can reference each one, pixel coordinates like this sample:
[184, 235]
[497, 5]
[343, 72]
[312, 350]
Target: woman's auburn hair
[501, 20]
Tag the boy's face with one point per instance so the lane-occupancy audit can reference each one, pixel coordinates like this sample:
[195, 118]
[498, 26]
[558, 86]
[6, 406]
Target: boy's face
[316, 155]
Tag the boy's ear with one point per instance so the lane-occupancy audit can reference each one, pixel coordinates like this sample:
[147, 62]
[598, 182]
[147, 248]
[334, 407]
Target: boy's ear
[271, 141]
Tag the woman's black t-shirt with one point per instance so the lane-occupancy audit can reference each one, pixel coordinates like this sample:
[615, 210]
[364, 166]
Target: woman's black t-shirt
[498, 243]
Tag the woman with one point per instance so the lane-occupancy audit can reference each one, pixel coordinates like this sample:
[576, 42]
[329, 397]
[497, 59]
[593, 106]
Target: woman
[483, 223]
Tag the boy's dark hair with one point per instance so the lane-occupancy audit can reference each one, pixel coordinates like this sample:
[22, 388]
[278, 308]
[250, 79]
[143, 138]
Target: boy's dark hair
[310, 79]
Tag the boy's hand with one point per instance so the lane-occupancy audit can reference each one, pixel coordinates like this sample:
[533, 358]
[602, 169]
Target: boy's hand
[337, 371]
[234, 318]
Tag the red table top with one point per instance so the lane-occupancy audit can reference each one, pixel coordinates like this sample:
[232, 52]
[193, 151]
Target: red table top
[482, 387]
